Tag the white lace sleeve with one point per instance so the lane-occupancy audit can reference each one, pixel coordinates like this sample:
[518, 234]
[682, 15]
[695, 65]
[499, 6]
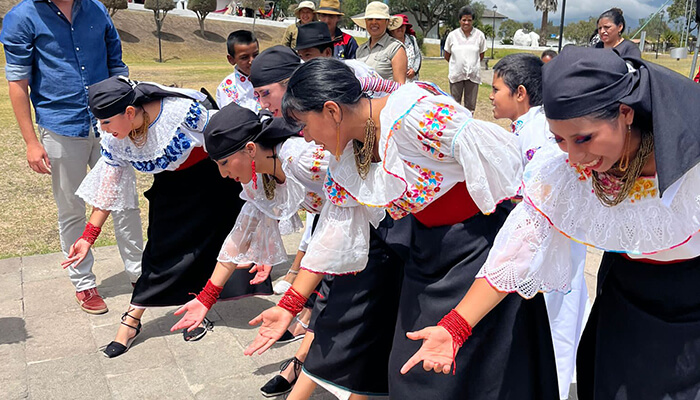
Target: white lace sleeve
[255, 238]
[110, 185]
[528, 255]
[340, 243]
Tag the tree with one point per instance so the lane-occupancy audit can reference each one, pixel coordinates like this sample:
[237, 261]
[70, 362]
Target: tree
[580, 32]
[529, 26]
[676, 11]
[160, 10]
[255, 5]
[508, 28]
[656, 26]
[350, 8]
[487, 30]
[202, 8]
[545, 6]
[115, 5]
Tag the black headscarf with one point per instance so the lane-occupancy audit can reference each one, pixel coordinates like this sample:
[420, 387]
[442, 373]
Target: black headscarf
[230, 129]
[112, 95]
[273, 65]
[580, 81]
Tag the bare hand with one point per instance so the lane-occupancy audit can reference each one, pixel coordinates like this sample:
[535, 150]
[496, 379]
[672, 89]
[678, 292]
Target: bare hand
[38, 159]
[262, 272]
[435, 352]
[77, 253]
[410, 73]
[275, 321]
[195, 313]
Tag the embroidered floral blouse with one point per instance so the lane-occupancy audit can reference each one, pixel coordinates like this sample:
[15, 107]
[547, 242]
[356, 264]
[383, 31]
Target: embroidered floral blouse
[111, 183]
[531, 249]
[428, 144]
[257, 235]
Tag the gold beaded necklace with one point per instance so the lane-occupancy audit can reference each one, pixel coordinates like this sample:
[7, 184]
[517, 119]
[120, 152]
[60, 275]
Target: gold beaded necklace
[363, 151]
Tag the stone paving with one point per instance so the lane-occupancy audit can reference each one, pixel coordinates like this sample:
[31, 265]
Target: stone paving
[49, 348]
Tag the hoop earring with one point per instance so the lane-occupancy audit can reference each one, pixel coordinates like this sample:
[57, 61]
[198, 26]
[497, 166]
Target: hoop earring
[337, 141]
[254, 178]
[625, 159]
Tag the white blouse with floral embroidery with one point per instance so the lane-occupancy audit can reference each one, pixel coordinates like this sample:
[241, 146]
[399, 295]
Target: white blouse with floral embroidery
[532, 248]
[257, 235]
[428, 144]
[111, 183]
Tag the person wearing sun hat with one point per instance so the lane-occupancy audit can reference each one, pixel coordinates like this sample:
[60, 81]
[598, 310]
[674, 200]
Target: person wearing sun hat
[406, 35]
[329, 13]
[305, 14]
[382, 52]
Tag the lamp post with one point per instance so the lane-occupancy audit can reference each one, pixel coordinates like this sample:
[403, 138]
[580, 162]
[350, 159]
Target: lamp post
[493, 30]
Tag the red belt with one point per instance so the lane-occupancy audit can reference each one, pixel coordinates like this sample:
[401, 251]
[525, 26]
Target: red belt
[452, 207]
[196, 155]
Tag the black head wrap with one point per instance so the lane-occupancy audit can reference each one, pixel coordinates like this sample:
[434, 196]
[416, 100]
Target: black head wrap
[273, 65]
[230, 129]
[112, 95]
[580, 81]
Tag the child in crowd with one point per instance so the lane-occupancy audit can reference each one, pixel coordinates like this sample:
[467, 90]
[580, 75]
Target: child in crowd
[236, 88]
[517, 95]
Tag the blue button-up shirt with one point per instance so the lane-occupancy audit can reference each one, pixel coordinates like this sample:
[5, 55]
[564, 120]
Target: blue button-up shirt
[61, 59]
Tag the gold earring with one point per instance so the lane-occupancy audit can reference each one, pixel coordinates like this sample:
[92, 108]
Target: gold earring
[337, 143]
[625, 159]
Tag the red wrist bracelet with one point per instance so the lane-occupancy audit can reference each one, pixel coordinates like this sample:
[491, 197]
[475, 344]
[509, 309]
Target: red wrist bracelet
[91, 233]
[292, 301]
[209, 294]
[459, 329]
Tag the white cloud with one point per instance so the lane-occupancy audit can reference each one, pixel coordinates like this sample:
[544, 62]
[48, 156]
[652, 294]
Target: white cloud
[524, 10]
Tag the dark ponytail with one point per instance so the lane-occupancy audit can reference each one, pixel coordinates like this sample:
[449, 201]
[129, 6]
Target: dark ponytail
[615, 15]
[316, 82]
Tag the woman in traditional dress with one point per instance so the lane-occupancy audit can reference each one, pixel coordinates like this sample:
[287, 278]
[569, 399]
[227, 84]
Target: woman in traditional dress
[629, 186]
[419, 156]
[158, 130]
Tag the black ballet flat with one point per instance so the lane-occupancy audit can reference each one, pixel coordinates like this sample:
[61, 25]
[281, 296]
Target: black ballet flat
[278, 385]
[115, 349]
[198, 332]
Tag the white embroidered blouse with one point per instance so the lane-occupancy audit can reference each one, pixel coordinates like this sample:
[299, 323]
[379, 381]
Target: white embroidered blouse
[428, 144]
[111, 183]
[531, 249]
[256, 236]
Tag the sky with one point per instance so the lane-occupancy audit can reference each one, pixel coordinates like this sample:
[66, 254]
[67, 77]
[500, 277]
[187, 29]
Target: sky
[524, 10]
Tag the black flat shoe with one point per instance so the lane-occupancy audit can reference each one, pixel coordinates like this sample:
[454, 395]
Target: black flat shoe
[278, 385]
[288, 337]
[115, 349]
[198, 332]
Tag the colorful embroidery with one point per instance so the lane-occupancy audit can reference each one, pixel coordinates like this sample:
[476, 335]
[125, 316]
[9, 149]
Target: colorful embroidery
[644, 187]
[516, 126]
[336, 193]
[531, 153]
[177, 147]
[419, 194]
[315, 169]
[314, 202]
[193, 115]
[432, 126]
[584, 173]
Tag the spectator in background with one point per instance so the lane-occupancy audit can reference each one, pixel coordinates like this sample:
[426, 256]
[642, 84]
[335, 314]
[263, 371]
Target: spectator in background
[305, 14]
[57, 49]
[236, 88]
[547, 55]
[406, 35]
[345, 46]
[611, 25]
[464, 50]
[382, 52]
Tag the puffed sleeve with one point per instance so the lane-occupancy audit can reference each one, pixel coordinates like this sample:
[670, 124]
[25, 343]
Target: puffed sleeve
[528, 255]
[110, 185]
[340, 243]
[255, 238]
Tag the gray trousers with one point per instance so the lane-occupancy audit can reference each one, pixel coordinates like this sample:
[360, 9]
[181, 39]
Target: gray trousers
[467, 90]
[70, 157]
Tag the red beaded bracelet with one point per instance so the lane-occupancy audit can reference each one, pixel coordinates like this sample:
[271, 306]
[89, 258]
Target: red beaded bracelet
[459, 329]
[292, 301]
[209, 294]
[91, 233]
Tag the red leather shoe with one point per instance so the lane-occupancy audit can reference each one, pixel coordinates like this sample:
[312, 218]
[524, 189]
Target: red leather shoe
[90, 301]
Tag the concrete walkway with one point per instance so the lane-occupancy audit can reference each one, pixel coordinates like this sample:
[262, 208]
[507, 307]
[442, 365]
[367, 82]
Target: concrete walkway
[49, 348]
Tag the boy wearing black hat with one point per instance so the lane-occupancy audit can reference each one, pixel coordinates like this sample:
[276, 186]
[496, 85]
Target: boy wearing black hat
[236, 88]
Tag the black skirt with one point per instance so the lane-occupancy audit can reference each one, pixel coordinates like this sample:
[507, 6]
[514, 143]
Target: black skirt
[190, 214]
[510, 354]
[354, 323]
[642, 339]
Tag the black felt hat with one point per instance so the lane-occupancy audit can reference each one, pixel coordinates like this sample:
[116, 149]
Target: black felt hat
[314, 34]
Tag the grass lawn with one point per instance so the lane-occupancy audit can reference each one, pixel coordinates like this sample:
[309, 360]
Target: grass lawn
[28, 214]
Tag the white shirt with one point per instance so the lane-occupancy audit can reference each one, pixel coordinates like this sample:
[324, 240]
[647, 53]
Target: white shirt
[532, 131]
[236, 88]
[465, 55]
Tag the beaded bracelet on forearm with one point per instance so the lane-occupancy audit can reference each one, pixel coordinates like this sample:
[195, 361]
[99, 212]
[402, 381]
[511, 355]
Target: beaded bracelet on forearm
[91, 233]
[459, 329]
[292, 301]
[209, 294]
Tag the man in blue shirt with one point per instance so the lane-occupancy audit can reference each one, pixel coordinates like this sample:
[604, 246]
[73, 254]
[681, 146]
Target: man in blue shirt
[58, 48]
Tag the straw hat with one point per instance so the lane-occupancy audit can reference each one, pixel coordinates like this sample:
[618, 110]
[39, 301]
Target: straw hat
[378, 10]
[304, 4]
[331, 7]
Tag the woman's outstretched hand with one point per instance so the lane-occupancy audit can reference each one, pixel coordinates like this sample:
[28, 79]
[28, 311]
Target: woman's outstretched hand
[436, 352]
[275, 321]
